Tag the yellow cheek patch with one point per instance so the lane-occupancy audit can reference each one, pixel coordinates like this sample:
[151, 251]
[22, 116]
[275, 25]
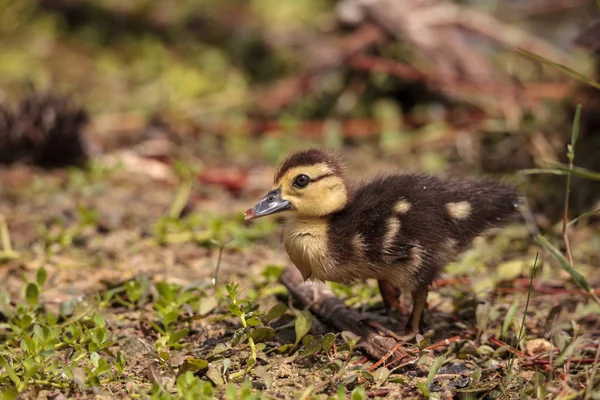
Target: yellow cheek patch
[460, 210]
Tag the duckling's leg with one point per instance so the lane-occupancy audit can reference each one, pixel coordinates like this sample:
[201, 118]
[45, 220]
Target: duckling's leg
[390, 295]
[415, 321]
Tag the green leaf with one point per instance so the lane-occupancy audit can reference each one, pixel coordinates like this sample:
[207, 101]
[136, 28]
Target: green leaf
[562, 357]
[350, 338]
[67, 371]
[341, 392]
[381, 375]
[238, 336]
[328, 341]
[32, 294]
[10, 371]
[510, 315]
[358, 393]
[424, 389]
[576, 123]
[311, 346]
[94, 358]
[231, 392]
[99, 320]
[234, 309]
[276, 311]
[177, 336]
[40, 277]
[560, 67]
[564, 263]
[262, 333]
[207, 304]
[254, 321]
[303, 325]
[437, 364]
[193, 364]
[284, 348]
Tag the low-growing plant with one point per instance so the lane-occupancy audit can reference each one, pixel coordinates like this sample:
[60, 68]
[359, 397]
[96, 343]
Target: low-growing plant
[252, 328]
[38, 349]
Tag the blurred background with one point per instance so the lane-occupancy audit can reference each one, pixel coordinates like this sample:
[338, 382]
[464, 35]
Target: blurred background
[134, 135]
[188, 105]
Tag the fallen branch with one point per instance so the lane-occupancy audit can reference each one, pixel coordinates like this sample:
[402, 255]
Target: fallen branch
[332, 310]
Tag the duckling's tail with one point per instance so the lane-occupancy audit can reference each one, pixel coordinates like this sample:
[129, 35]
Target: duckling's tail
[480, 205]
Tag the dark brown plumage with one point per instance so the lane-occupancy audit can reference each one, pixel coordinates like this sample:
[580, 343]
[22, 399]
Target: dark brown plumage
[400, 229]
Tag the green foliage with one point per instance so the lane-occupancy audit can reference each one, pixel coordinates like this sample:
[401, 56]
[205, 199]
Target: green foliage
[303, 325]
[189, 387]
[37, 350]
[560, 67]
[210, 229]
[251, 330]
[168, 307]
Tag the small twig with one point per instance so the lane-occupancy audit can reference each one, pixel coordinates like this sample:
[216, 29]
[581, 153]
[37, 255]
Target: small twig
[511, 349]
[590, 378]
[385, 357]
[333, 311]
[570, 358]
[438, 283]
[218, 267]
[445, 342]
[546, 361]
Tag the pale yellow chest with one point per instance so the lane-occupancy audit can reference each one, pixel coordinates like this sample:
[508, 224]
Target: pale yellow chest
[305, 241]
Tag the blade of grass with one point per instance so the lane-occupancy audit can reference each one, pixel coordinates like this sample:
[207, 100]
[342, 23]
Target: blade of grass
[571, 157]
[591, 376]
[569, 71]
[562, 357]
[563, 169]
[181, 199]
[564, 263]
[7, 252]
[437, 364]
[510, 315]
[585, 215]
[521, 334]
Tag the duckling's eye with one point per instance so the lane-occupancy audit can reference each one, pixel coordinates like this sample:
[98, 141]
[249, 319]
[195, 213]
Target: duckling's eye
[301, 181]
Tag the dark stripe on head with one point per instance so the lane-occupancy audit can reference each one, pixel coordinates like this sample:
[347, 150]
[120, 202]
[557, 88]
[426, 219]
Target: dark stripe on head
[310, 157]
[318, 178]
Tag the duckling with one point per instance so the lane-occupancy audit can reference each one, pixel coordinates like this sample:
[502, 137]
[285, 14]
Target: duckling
[400, 229]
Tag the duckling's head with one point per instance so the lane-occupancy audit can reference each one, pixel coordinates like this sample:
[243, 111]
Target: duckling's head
[309, 183]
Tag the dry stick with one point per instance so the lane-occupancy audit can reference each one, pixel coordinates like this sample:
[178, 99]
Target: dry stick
[446, 342]
[545, 367]
[332, 310]
[590, 378]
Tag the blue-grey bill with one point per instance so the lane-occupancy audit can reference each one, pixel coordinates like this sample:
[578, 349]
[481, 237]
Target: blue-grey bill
[272, 203]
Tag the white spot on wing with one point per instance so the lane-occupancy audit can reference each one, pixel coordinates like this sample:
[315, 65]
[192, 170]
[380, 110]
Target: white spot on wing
[402, 207]
[393, 227]
[358, 244]
[460, 210]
